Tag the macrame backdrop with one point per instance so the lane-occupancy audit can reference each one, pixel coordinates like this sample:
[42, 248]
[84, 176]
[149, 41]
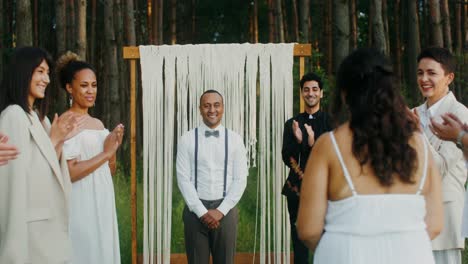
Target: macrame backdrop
[173, 79]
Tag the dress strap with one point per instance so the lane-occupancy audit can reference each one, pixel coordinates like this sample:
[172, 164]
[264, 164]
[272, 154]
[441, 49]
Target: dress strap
[343, 165]
[196, 158]
[424, 175]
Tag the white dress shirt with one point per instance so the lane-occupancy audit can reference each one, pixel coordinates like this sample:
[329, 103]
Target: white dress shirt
[426, 115]
[211, 153]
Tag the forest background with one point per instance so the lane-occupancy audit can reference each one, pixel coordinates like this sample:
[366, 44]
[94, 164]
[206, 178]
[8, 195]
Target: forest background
[98, 29]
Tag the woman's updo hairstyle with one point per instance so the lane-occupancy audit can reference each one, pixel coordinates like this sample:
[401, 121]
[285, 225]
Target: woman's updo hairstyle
[379, 117]
[68, 65]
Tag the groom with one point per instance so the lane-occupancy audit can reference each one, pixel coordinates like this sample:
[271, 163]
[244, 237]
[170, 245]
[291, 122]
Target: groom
[212, 176]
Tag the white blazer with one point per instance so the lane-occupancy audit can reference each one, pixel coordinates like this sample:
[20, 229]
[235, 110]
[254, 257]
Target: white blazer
[450, 161]
[34, 193]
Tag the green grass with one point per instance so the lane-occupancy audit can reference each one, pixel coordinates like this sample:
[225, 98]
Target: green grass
[246, 227]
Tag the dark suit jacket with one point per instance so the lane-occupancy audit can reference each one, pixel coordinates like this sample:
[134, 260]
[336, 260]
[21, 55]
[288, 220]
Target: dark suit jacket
[294, 153]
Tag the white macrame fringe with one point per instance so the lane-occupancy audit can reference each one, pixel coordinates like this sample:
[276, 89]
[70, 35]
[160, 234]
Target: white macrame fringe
[173, 79]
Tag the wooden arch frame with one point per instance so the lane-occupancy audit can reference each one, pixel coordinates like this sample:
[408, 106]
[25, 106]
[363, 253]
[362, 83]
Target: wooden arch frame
[132, 53]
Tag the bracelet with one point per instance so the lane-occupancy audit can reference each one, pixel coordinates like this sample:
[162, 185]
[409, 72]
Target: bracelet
[460, 138]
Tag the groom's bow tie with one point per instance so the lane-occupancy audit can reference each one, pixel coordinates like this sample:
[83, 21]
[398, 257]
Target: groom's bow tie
[214, 133]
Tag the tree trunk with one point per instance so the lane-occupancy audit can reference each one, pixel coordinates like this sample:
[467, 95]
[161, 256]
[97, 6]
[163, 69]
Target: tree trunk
[173, 22]
[71, 24]
[465, 17]
[329, 34]
[194, 20]
[130, 23]
[61, 41]
[458, 28]
[385, 24]
[24, 33]
[160, 22]
[123, 89]
[425, 23]
[413, 50]
[271, 22]
[353, 23]
[340, 32]
[253, 22]
[304, 14]
[92, 35]
[295, 21]
[60, 15]
[444, 9]
[157, 22]
[397, 47]
[278, 11]
[437, 38]
[10, 29]
[81, 28]
[110, 61]
[378, 37]
[149, 21]
[36, 24]
[154, 14]
[370, 24]
[286, 27]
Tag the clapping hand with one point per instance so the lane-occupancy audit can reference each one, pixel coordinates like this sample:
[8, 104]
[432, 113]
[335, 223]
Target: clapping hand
[7, 151]
[415, 116]
[114, 139]
[297, 131]
[63, 126]
[78, 125]
[311, 135]
[449, 128]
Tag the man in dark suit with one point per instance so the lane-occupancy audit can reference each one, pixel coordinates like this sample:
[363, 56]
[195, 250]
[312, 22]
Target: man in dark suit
[300, 133]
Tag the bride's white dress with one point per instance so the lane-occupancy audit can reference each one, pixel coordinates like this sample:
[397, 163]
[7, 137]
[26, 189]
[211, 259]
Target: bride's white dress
[371, 229]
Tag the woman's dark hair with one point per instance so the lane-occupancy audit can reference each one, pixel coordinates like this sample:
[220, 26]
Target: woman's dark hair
[67, 66]
[17, 79]
[379, 117]
[442, 56]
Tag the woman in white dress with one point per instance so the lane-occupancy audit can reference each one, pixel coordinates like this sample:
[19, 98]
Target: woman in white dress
[370, 192]
[91, 162]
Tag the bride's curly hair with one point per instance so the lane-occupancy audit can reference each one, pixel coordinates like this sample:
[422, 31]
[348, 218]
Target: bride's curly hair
[379, 118]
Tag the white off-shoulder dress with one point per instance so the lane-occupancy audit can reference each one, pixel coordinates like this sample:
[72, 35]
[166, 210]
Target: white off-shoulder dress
[379, 228]
[93, 219]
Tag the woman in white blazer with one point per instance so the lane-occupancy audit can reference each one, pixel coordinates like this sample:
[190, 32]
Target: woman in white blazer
[34, 188]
